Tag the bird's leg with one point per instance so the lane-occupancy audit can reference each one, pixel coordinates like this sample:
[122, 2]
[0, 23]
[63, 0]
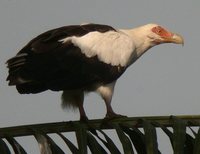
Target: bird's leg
[74, 98]
[110, 113]
[106, 92]
[80, 101]
[83, 116]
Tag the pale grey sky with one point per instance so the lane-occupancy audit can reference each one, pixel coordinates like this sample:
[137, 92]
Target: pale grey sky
[164, 81]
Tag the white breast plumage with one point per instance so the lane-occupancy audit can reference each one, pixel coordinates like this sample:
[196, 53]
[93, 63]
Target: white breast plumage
[115, 48]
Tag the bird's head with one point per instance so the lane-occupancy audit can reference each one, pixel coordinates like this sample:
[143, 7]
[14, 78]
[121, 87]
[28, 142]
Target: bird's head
[150, 35]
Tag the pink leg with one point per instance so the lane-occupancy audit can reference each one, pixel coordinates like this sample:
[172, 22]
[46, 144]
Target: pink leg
[106, 92]
[83, 116]
[75, 98]
[110, 113]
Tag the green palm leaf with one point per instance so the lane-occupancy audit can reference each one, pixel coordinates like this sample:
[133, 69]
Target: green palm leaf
[92, 137]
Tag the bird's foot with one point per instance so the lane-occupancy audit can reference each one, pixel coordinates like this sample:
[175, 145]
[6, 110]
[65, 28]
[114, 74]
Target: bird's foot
[112, 115]
[84, 119]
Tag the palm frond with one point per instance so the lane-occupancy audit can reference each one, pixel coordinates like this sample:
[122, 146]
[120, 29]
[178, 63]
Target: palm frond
[136, 135]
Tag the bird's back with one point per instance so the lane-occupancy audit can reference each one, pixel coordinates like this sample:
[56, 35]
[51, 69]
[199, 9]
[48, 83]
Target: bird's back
[46, 63]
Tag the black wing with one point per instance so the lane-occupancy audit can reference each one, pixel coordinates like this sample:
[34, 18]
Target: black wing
[45, 63]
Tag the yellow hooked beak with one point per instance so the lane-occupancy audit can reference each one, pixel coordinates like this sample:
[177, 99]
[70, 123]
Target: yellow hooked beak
[175, 38]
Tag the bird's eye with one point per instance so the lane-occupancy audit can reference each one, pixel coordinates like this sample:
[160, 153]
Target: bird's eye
[158, 30]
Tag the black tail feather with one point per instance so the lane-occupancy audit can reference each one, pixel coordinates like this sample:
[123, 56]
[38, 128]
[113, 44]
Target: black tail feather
[32, 87]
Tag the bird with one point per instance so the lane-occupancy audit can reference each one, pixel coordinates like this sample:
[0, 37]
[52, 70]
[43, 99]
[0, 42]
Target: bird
[78, 59]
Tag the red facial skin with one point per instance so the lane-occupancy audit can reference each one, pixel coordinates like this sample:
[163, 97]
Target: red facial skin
[163, 33]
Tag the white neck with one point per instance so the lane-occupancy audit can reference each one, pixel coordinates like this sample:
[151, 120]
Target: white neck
[140, 39]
